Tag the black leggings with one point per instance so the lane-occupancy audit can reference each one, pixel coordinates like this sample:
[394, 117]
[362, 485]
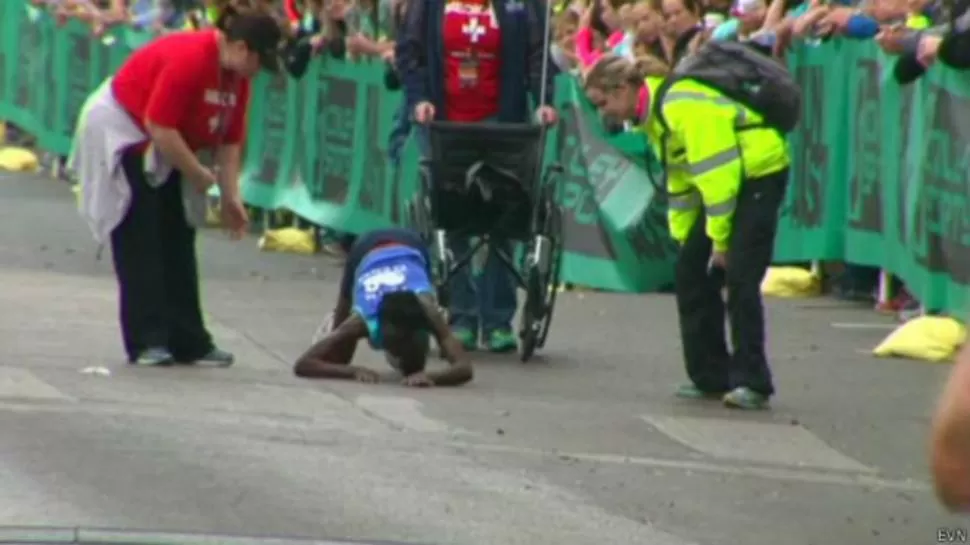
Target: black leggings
[367, 242]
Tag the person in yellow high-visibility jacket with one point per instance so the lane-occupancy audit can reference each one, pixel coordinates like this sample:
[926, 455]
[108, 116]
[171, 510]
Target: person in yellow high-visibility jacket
[726, 179]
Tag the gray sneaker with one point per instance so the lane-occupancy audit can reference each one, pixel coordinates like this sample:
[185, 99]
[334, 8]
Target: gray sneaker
[153, 357]
[745, 398]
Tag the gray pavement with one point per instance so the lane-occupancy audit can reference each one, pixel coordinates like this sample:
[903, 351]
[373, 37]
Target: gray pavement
[584, 445]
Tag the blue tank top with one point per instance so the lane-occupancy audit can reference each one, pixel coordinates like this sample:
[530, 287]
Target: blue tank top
[382, 271]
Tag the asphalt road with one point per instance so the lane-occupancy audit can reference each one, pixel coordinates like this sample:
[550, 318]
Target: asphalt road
[585, 445]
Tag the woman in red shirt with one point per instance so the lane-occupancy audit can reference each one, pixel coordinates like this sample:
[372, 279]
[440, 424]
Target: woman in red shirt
[140, 154]
[473, 61]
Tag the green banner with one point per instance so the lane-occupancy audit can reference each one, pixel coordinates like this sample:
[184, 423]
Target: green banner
[318, 147]
[878, 176]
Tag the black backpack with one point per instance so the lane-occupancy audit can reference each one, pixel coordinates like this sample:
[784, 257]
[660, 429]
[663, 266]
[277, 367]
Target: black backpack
[744, 74]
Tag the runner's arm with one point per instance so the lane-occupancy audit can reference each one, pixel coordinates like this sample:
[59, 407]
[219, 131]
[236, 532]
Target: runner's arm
[341, 312]
[331, 356]
[460, 370]
[950, 443]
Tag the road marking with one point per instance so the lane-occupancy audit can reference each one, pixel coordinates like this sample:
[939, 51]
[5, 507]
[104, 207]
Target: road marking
[773, 473]
[760, 442]
[299, 428]
[403, 412]
[22, 384]
[863, 325]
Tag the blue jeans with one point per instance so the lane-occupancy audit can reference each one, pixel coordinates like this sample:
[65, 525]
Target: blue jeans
[486, 300]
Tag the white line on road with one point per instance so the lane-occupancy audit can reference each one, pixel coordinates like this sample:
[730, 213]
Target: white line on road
[780, 474]
[863, 325]
[212, 418]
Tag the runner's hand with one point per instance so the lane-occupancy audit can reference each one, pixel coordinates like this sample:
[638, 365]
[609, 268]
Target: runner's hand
[418, 380]
[367, 376]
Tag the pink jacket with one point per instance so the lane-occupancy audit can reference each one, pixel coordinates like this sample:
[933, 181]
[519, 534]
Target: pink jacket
[585, 52]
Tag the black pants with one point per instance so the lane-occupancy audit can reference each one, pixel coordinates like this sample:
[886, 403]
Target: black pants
[154, 258]
[699, 302]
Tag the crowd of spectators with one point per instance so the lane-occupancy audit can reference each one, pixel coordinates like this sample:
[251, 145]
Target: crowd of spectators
[656, 32]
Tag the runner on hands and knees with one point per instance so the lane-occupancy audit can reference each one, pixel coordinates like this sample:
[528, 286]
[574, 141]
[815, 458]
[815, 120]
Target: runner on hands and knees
[386, 296]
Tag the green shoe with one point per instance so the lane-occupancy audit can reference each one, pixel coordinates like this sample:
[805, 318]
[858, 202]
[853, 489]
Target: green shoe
[689, 391]
[501, 340]
[467, 338]
[745, 398]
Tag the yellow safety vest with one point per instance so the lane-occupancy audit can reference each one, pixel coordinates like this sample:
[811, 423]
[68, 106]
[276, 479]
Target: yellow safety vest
[706, 156]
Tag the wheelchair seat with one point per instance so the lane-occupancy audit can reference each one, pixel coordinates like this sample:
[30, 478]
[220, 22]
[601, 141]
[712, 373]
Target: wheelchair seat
[482, 174]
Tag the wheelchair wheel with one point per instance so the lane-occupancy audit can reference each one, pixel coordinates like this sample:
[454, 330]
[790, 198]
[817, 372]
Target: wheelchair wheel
[541, 286]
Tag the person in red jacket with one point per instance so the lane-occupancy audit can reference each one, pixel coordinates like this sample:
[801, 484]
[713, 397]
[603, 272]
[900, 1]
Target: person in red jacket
[186, 96]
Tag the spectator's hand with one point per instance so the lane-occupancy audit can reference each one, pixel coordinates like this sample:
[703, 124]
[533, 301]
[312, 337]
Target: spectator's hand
[547, 115]
[805, 25]
[357, 44]
[318, 42]
[388, 56]
[837, 19]
[890, 39]
[928, 48]
[338, 9]
[424, 113]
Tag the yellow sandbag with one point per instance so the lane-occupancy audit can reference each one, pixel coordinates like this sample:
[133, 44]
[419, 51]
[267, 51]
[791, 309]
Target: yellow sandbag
[927, 338]
[790, 282]
[18, 160]
[289, 240]
[213, 216]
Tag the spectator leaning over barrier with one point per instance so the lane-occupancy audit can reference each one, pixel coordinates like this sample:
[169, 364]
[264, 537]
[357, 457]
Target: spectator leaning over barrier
[143, 186]
[473, 61]
[723, 215]
[918, 48]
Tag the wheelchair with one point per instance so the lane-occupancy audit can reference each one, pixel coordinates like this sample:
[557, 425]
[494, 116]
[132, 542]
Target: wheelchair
[486, 181]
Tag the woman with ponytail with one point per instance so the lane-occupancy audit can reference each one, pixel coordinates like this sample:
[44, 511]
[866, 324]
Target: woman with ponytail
[726, 175]
[152, 141]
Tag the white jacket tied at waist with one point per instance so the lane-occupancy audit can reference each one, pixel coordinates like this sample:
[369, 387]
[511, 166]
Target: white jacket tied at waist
[104, 130]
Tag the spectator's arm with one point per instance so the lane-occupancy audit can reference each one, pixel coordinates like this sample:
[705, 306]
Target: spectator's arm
[293, 14]
[776, 13]
[538, 54]
[910, 42]
[117, 12]
[861, 27]
[410, 52]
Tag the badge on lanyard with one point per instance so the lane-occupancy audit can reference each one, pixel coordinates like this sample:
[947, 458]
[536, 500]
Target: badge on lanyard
[468, 70]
